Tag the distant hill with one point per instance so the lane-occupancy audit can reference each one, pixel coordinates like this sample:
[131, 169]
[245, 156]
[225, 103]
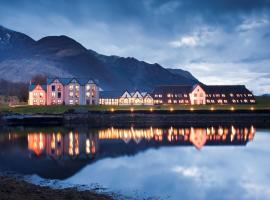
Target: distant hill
[21, 57]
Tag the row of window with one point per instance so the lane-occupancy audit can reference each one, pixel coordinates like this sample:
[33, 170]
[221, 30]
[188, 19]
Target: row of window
[178, 101]
[40, 94]
[231, 95]
[40, 101]
[224, 101]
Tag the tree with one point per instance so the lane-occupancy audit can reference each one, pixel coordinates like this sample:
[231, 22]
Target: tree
[39, 79]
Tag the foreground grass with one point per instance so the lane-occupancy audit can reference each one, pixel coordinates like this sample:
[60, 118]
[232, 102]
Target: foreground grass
[263, 103]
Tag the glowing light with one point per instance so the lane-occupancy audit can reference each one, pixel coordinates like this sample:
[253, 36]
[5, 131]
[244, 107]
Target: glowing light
[112, 109]
[171, 109]
[131, 109]
[252, 108]
[151, 109]
[232, 108]
[191, 109]
[212, 108]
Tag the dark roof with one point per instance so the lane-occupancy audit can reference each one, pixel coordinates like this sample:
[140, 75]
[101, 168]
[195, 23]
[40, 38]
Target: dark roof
[225, 89]
[66, 81]
[110, 94]
[33, 86]
[176, 89]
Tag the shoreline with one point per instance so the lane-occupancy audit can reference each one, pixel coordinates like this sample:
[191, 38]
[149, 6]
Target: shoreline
[97, 119]
[13, 189]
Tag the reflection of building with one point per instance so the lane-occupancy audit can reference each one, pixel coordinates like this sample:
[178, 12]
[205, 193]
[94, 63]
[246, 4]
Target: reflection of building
[111, 141]
[202, 94]
[125, 98]
[57, 145]
[196, 136]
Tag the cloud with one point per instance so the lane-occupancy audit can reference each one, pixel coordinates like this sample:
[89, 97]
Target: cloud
[185, 42]
[212, 39]
[250, 24]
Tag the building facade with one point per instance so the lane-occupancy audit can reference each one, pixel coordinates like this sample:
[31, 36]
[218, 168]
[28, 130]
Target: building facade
[67, 91]
[202, 94]
[37, 95]
[125, 98]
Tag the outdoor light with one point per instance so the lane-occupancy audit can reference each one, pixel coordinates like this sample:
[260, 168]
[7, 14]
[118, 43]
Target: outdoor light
[131, 109]
[171, 109]
[212, 108]
[151, 109]
[252, 108]
[232, 108]
[112, 109]
[191, 109]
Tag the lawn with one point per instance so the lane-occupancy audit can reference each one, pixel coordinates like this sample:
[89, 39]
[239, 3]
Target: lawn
[262, 104]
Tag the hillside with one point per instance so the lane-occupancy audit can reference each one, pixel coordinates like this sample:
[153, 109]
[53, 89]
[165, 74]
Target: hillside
[21, 57]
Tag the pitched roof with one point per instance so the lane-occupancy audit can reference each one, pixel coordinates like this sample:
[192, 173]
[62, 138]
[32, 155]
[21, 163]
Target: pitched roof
[176, 89]
[225, 89]
[110, 94]
[66, 81]
[33, 86]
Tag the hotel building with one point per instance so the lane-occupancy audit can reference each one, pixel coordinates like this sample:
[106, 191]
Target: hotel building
[125, 98]
[202, 94]
[65, 91]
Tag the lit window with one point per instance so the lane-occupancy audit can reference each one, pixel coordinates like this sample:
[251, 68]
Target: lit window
[71, 94]
[169, 101]
[77, 87]
[168, 95]
[53, 94]
[159, 95]
[71, 87]
[71, 101]
[88, 87]
[88, 94]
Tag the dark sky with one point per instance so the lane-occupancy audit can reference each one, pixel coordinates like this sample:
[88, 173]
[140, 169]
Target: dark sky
[219, 41]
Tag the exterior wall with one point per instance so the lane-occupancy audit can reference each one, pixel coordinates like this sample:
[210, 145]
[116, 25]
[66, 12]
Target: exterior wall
[230, 98]
[91, 93]
[171, 98]
[109, 101]
[197, 96]
[72, 93]
[37, 96]
[148, 100]
[52, 96]
[125, 99]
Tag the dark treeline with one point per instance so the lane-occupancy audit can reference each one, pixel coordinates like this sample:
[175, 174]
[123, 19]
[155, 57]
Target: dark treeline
[19, 89]
[8, 88]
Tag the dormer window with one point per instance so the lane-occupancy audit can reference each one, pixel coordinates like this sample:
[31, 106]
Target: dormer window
[71, 87]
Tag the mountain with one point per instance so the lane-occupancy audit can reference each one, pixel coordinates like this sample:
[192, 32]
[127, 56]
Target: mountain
[21, 57]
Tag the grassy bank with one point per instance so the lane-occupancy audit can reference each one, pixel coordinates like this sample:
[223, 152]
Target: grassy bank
[263, 103]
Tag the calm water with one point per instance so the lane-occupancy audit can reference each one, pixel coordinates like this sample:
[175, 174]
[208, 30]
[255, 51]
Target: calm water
[172, 163]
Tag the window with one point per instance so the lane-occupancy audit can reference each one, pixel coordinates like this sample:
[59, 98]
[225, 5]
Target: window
[169, 101]
[40, 94]
[77, 87]
[53, 94]
[160, 95]
[168, 95]
[59, 88]
[87, 87]
[53, 88]
[223, 95]
[185, 95]
[71, 94]
[156, 95]
[174, 101]
[59, 101]
[71, 87]
[231, 95]
[59, 95]
[195, 95]
[88, 94]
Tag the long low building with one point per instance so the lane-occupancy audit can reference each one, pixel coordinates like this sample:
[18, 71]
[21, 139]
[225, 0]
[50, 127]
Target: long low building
[125, 98]
[64, 91]
[202, 94]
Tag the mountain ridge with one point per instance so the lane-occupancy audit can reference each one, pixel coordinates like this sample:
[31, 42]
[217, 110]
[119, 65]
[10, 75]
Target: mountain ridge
[63, 56]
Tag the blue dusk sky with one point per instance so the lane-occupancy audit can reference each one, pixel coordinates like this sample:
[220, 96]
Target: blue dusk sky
[218, 41]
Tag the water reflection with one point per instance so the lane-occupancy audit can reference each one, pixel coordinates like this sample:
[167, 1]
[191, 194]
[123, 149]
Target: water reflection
[75, 144]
